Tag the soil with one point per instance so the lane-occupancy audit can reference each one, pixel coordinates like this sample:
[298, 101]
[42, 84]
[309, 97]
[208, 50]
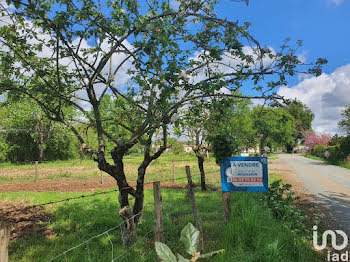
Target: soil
[73, 185]
[45, 171]
[24, 220]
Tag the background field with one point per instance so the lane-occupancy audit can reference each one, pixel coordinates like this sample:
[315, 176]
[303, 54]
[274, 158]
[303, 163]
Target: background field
[40, 234]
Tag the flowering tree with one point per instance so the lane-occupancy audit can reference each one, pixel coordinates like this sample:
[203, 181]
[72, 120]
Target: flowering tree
[312, 139]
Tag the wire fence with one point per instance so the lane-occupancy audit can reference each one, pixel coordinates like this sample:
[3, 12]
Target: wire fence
[114, 248]
[117, 252]
[126, 250]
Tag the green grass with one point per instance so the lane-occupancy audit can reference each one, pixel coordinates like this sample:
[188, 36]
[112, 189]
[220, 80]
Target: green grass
[133, 158]
[252, 234]
[160, 169]
[315, 157]
[344, 164]
[338, 163]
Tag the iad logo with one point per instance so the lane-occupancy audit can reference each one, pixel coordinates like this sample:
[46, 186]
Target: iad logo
[333, 237]
[337, 245]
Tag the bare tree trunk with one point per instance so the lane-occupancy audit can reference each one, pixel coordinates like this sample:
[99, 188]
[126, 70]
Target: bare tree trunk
[131, 217]
[41, 147]
[262, 145]
[117, 172]
[200, 159]
[139, 199]
[41, 153]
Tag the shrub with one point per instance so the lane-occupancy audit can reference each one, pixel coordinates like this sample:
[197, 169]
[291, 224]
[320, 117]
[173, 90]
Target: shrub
[224, 144]
[345, 146]
[318, 150]
[279, 199]
[335, 154]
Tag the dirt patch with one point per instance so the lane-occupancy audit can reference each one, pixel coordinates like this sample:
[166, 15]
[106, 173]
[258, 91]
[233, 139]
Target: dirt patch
[24, 220]
[74, 185]
[45, 171]
[61, 185]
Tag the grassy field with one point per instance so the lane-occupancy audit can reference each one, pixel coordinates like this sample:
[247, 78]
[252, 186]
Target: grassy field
[159, 169]
[252, 234]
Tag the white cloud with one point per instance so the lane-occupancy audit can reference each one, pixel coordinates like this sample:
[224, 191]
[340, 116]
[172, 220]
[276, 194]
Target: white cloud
[326, 96]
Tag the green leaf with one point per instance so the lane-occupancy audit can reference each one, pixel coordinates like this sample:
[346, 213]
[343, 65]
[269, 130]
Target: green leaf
[164, 252]
[182, 259]
[190, 238]
[212, 253]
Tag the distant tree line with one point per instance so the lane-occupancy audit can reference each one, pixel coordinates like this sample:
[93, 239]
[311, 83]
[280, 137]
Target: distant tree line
[27, 135]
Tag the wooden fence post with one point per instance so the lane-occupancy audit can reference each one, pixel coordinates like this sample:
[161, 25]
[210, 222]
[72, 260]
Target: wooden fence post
[174, 175]
[194, 207]
[36, 171]
[4, 241]
[158, 213]
[226, 203]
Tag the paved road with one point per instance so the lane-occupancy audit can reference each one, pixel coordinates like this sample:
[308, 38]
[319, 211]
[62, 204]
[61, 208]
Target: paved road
[330, 183]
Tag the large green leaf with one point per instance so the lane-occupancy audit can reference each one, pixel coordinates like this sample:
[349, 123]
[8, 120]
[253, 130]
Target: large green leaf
[164, 252]
[190, 238]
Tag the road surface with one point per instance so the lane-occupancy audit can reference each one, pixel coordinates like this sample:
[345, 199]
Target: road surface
[331, 184]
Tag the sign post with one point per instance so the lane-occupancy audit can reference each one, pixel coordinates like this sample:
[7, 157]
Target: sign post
[244, 174]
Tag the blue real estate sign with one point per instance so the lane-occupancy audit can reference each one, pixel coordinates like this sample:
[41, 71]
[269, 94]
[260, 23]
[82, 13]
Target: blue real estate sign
[244, 174]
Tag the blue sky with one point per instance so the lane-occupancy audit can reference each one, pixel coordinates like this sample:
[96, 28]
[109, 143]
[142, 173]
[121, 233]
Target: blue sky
[323, 25]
